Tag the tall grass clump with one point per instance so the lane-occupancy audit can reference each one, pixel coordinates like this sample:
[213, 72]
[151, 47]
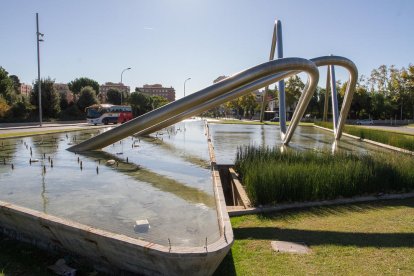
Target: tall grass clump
[270, 176]
[396, 139]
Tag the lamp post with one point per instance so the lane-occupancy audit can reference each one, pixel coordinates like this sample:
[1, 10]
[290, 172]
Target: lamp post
[129, 68]
[39, 39]
[184, 84]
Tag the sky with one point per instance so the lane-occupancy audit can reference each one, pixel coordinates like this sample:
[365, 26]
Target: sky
[168, 41]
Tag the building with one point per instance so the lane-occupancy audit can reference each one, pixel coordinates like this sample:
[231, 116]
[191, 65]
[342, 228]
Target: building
[220, 79]
[104, 88]
[64, 92]
[25, 89]
[158, 90]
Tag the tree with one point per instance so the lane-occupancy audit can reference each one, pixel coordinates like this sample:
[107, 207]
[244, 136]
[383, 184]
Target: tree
[248, 103]
[293, 90]
[158, 101]
[140, 103]
[87, 97]
[6, 87]
[408, 78]
[16, 83]
[21, 109]
[50, 98]
[77, 84]
[4, 108]
[113, 96]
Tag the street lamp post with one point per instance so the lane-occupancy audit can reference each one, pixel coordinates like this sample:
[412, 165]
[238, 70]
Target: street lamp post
[129, 68]
[184, 84]
[39, 39]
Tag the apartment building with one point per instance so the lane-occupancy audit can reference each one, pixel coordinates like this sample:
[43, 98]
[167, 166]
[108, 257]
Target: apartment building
[25, 89]
[104, 88]
[64, 92]
[158, 90]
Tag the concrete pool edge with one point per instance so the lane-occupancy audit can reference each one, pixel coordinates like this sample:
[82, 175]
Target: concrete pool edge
[370, 141]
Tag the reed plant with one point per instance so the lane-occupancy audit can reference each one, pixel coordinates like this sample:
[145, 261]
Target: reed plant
[396, 139]
[271, 176]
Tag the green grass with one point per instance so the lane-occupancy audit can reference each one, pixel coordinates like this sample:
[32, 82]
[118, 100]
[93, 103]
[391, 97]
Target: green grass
[271, 177]
[396, 139]
[362, 239]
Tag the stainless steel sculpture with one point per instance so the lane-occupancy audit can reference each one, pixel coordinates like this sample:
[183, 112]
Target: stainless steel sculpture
[200, 98]
[338, 119]
[235, 86]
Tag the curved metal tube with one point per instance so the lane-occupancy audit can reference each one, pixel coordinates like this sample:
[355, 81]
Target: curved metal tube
[199, 98]
[271, 57]
[353, 77]
[320, 61]
[220, 100]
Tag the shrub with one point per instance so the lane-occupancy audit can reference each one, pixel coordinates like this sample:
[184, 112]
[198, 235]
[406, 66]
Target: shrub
[271, 176]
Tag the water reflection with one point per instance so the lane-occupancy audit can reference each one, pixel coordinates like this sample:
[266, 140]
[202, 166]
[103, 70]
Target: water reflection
[226, 138]
[165, 181]
[158, 181]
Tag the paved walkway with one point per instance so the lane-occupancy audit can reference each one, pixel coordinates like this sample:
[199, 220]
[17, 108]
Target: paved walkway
[35, 127]
[403, 129]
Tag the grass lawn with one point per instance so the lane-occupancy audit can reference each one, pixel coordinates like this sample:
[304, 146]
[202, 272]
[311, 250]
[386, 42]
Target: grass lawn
[361, 239]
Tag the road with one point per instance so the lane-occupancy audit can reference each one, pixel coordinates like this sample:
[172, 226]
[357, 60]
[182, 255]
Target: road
[30, 127]
[402, 129]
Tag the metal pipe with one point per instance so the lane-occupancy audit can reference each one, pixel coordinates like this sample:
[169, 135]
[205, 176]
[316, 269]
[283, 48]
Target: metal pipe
[199, 98]
[184, 84]
[271, 57]
[326, 103]
[281, 84]
[219, 100]
[353, 76]
[39, 84]
[122, 92]
[334, 96]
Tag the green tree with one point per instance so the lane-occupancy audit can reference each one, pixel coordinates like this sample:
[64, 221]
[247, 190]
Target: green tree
[21, 109]
[87, 97]
[6, 87]
[408, 78]
[50, 98]
[4, 108]
[158, 101]
[77, 84]
[113, 96]
[249, 104]
[16, 83]
[140, 103]
[293, 90]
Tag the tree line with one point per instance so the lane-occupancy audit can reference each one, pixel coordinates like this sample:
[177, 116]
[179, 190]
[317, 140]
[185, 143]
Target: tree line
[388, 93]
[17, 107]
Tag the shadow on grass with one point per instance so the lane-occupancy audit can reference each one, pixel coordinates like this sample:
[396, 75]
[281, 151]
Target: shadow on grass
[310, 237]
[227, 266]
[321, 211]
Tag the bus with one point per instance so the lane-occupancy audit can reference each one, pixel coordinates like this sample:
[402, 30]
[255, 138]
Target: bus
[108, 114]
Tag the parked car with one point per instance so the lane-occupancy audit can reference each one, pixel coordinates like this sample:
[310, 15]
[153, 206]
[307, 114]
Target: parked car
[275, 119]
[365, 122]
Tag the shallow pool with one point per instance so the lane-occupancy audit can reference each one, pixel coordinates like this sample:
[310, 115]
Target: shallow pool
[164, 178]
